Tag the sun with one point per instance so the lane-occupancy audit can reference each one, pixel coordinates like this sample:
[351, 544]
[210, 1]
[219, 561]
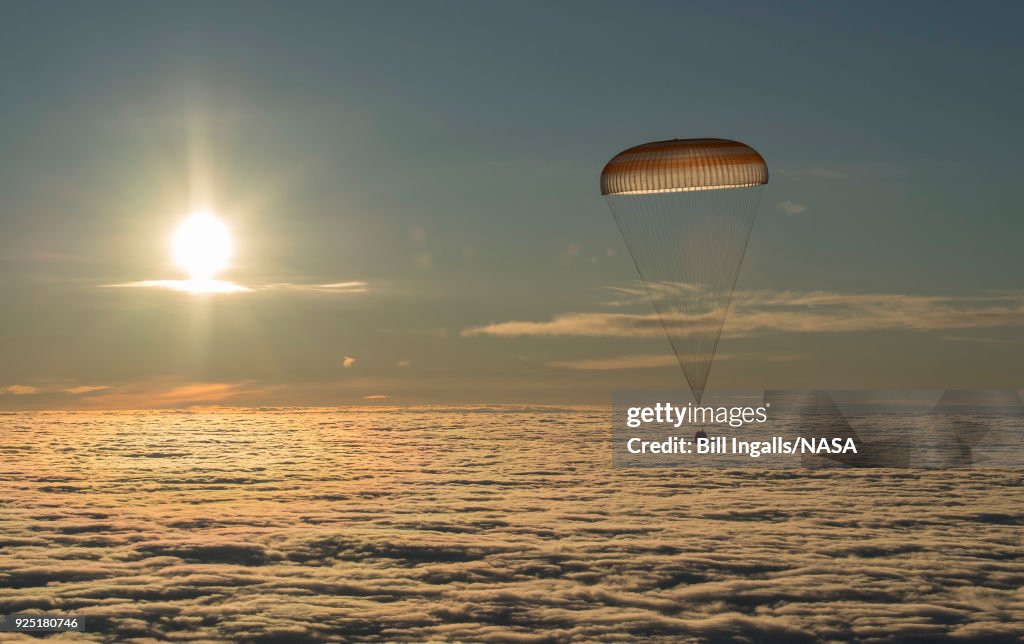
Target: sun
[202, 246]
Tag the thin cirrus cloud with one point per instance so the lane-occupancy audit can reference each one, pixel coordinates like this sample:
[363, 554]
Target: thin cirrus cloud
[333, 287]
[162, 395]
[85, 389]
[764, 312]
[27, 390]
[657, 360]
[982, 340]
[222, 286]
[185, 286]
[792, 208]
[19, 390]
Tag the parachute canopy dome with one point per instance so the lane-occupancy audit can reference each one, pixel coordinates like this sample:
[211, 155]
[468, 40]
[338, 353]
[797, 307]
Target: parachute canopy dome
[683, 165]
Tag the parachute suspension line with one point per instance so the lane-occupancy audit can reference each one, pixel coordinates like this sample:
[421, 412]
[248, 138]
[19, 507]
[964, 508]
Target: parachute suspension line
[688, 248]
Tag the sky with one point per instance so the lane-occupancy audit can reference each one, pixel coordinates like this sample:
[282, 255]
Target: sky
[412, 190]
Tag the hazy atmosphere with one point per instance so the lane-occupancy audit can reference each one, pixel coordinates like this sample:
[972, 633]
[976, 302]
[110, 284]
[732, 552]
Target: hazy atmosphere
[411, 194]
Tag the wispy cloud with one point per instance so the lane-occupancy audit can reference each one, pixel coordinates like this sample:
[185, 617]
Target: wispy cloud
[763, 312]
[641, 293]
[332, 287]
[85, 389]
[580, 324]
[982, 340]
[375, 397]
[185, 286]
[221, 286]
[19, 390]
[792, 207]
[657, 360]
[161, 395]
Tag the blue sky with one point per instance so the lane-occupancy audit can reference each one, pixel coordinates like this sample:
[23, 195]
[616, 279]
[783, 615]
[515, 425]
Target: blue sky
[445, 156]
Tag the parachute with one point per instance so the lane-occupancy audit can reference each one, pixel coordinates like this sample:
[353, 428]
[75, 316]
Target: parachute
[685, 209]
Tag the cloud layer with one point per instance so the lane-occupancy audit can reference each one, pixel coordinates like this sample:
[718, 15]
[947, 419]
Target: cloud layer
[764, 312]
[481, 524]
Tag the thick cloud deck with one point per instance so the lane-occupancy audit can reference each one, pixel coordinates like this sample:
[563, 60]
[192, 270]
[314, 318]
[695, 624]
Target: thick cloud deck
[481, 524]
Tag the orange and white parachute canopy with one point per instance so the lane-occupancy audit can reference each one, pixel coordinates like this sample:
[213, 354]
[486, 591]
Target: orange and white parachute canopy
[681, 165]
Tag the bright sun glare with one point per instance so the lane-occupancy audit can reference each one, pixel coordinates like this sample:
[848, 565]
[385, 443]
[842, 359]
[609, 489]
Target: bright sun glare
[202, 246]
